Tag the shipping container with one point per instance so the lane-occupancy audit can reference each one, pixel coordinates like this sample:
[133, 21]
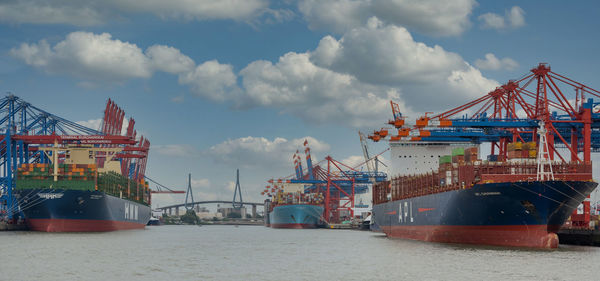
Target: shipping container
[446, 159]
[458, 151]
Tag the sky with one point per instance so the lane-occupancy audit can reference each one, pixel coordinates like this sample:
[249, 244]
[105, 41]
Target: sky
[240, 84]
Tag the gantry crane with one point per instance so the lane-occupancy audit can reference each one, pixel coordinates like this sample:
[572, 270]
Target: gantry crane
[338, 182]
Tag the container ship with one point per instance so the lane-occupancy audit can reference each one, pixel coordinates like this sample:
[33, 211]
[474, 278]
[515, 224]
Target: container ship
[291, 207]
[542, 129]
[467, 200]
[83, 193]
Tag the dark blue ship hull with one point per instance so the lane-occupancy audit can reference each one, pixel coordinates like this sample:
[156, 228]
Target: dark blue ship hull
[524, 214]
[56, 210]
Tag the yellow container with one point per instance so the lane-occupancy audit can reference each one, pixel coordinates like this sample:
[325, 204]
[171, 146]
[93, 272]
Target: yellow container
[510, 147]
[532, 153]
[518, 145]
[529, 145]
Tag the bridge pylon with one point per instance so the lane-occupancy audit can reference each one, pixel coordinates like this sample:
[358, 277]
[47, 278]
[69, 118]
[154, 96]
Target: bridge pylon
[238, 189]
[189, 194]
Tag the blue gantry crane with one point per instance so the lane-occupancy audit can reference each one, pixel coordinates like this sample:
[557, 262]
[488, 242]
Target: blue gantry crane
[338, 182]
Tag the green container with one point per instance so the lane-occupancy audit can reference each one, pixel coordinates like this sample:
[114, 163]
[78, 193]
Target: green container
[446, 159]
[50, 183]
[458, 151]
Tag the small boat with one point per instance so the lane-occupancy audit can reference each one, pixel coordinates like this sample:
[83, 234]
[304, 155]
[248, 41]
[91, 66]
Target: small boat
[154, 221]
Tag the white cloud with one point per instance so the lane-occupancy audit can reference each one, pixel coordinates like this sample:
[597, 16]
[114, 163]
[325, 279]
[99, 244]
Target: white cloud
[212, 80]
[434, 17]
[491, 62]
[99, 57]
[199, 9]
[355, 160]
[388, 55]
[230, 186]
[169, 59]
[368, 65]
[45, 12]
[513, 18]
[92, 124]
[200, 183]
[96, 124]
[203, 190]
[178, 99]
[491, 20]
[466, 84]
[516, 16]
[297, 86]
[385, 54]
[175, 150]
[87, 55]
[89, 12]
[262, 153]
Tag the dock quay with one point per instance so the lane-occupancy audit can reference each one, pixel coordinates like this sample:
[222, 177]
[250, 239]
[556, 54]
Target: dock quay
[341, 226]
[12, 226]
[355, 224]
[236, 222]
[582, 237]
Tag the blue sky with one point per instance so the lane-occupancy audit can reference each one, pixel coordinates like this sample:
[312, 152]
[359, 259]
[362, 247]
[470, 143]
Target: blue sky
[242, 83]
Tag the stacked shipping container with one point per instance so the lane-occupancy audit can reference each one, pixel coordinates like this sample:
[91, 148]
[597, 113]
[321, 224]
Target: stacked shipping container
[454, 176]
[282, 198]
[81, 177]
[521, 150]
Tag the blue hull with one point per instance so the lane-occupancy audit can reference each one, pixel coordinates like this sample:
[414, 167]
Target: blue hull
[509, 214]
[56, 210]
[295, 216]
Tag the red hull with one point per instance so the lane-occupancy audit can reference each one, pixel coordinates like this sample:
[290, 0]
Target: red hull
[292, 225]
[73, 225]
[535, 236]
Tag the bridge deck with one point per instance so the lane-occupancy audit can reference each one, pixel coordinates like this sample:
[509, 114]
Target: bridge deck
[209, 202]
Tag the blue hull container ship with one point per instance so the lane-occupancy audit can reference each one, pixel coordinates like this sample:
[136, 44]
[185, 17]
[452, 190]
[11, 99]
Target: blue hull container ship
[295, 216]
[68, 210]
[502, 203]
[77, 196]
[293, 208]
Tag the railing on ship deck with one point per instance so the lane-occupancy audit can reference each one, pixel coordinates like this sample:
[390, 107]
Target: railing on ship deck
[455, 176]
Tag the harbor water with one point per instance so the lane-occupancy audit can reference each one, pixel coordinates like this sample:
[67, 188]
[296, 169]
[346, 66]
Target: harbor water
[261, 253]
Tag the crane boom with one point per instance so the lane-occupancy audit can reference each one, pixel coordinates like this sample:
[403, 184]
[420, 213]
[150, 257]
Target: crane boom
[365, 149]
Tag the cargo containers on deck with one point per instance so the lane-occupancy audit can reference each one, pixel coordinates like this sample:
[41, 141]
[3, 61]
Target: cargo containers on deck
[80, 197]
